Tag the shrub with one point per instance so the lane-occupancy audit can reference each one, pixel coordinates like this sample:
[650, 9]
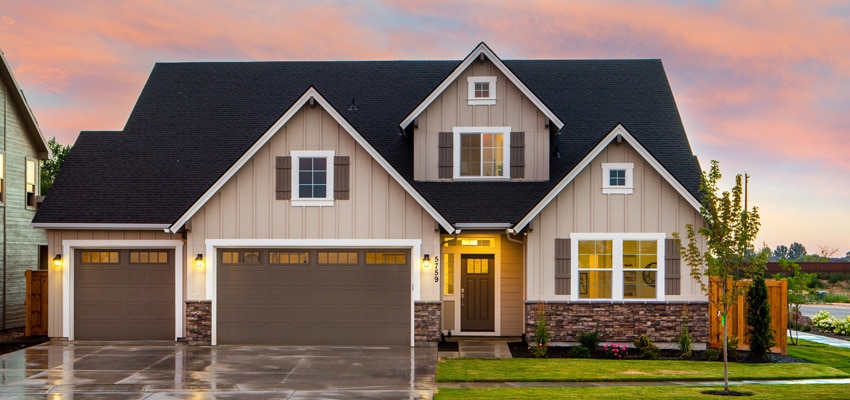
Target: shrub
[646, 349]
[711, 355]
[541, 336]
[590, 340]
[732, 348]
[817, 284]
[836, 298]
[579, 352]
[615, 351]
[836, 277]
[685, 343]
[758, 320]
[826, 323]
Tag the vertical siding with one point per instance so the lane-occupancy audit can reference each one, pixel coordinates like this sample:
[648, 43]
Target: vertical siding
[450, 110]
[511, 292]
[655, 206]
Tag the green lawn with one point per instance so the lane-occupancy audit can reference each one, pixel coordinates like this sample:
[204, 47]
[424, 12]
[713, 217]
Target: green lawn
[820, 392]
[835, 357]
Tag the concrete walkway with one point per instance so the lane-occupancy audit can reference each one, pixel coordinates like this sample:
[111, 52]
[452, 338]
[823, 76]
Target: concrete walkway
[824, 340]
[480, 348]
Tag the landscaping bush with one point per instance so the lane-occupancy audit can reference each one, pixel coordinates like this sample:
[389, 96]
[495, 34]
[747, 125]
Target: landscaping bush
[836, 277]
[646, 349]
[541, 336]
[685, 343]
[579, 352]
[615, 351]
[758, 320]
[732, 348]
[590, 340]
[836, 298]
[827, 323]
[711, 355]
[817, 284]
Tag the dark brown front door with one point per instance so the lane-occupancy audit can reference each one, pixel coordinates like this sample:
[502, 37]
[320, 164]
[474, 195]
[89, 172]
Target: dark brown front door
[478, 286]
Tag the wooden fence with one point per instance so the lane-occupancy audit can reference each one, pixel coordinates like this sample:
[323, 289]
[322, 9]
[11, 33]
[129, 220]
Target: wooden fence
[777, 295]
[36, 303]
[813, 267]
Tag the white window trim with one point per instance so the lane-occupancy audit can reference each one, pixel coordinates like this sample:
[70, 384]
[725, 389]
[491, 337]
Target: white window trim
[506, 151]
[328, 200]
[606, 178]
[617, 256]
[481, 101]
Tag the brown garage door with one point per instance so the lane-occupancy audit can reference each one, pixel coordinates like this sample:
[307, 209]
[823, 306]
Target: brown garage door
[124, 294]
[313, 297]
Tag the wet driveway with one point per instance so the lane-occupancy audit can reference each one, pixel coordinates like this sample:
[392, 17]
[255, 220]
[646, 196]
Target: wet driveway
[164, 370]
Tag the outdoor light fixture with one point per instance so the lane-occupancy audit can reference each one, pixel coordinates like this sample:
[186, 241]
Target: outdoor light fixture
[57, 261]
[426, 261]
[199, 261]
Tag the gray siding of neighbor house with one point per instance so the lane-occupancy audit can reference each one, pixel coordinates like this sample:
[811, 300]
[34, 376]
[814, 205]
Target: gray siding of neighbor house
[18, 241]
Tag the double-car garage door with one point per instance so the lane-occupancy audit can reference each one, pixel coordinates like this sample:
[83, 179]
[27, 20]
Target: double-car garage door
[313, 297]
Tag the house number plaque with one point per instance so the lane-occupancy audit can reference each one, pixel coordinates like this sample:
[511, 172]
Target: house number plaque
[436, 268]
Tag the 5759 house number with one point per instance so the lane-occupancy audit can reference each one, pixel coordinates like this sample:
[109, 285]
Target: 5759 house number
[436, 268]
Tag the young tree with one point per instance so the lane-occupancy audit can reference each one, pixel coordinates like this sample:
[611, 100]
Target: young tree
[798, 284]
[49, 168]
[758, 319]
[729, 229]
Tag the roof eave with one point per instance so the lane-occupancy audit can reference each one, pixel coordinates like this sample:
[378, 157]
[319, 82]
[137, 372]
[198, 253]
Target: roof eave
[29, 118]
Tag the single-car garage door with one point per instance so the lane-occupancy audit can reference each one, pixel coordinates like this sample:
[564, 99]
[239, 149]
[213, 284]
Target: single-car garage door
[124, 294]
[313, 297]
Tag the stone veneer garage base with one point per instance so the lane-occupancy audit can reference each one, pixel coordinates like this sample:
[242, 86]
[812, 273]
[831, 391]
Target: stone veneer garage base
[620, 322]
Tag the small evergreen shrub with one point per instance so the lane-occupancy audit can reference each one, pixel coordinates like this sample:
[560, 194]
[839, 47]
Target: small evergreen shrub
[541, 336]
[711, 355]
[579, 352]
[684, 341]
[646, 349]
[590, 340]
[732, 348]
[758, 320]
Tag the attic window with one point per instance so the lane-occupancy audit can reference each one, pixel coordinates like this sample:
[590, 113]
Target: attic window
[618, 178]
[481, 90]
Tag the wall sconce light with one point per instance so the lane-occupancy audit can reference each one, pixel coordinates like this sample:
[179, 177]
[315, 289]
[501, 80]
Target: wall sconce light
[57, 261]
[426, 261]
[199, 261]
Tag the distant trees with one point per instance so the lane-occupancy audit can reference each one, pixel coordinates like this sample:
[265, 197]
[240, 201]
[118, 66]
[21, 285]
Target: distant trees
[796, 251]
[781, 253]
[49, 168]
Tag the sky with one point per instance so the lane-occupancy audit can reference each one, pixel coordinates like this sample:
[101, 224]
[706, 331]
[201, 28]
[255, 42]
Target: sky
[763, 87]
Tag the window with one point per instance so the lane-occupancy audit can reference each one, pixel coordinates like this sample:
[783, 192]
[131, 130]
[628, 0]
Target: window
[289, 257]
[99, 257]
[385, 257]
[2, 178]
[618, 178]
[240, 257]
[337, 257]
[312, 178]
[32, 183]
[148, 257]
[482, 90]
[449, 273]
[618, 267]
[482, 152]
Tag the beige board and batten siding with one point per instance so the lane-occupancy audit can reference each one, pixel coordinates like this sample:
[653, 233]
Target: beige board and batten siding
[512, 295]
[246, 208]
[654, 206]
[451, 109]
[55, 246]
[19, 246]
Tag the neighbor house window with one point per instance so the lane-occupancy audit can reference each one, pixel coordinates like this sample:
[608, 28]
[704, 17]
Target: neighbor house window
[32, 182]
[618, 178]
[312, 178]
[481, 90]
[482, 152]
[618, 266]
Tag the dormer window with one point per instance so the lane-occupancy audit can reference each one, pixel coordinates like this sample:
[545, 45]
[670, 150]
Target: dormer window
[482, 152]
[618, 178]
[482, 90]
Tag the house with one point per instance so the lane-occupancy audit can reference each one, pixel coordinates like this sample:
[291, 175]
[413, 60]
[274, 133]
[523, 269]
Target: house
[379, 202]
[22, 148]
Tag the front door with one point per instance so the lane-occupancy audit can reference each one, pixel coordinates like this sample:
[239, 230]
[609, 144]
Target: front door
[477, 293]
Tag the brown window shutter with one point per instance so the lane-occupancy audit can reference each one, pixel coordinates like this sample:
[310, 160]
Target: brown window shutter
[562, 266]
[445, 155]
[517, 155]
[283, 178]
[672, 267]
[341, 177]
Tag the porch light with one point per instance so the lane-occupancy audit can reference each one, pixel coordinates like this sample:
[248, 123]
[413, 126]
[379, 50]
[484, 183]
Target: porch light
[199, 261]
[57, 261]
[426, 261]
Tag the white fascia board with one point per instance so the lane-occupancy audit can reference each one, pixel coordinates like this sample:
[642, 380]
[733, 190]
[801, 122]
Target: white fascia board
[112, 227]
[481, 49]
[18, 96]
[483, 225]
[249, 154]
[621, 131]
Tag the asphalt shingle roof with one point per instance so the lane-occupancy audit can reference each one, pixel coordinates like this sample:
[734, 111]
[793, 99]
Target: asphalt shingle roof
[192, 121]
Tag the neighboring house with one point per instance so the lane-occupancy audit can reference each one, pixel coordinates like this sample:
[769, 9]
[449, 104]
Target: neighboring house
[380, 202]
[22, 148]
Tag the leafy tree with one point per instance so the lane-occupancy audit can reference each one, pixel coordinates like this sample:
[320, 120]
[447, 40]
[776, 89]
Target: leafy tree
[49, 168]
[758, 319]
[796, 251]
[729, 230]
[781, 252]
[826, 252]
[798, 284]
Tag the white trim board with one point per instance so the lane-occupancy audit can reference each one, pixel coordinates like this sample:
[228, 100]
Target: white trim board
[70, 246]
[481, 49]
[133, 227]
[619, 130]
[311, 93]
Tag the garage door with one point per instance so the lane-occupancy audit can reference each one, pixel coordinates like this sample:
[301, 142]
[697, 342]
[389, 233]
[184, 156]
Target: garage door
[313, 297]
[124, 294]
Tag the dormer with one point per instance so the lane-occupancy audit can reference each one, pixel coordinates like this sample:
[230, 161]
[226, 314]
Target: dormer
[481, 124]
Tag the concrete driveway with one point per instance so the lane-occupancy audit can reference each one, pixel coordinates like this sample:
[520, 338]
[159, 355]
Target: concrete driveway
[165, 370]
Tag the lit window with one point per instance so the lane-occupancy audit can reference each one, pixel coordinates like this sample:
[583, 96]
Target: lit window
[482, 90]
[312, 178]
[449, 273]
[289, 257]
[99, 257]
[482, 152]
[240, 257]
[148, 257]
[618, 268]
[383, 257]
[2, 177]
[31, 185]
[618, 178]
[337, 257]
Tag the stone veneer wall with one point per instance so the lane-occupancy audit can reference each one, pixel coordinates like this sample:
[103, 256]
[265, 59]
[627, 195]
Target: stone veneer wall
[427, 317]
[199, 322]
[620, 322]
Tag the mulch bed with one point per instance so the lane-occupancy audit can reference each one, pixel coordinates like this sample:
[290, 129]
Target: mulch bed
[14, 339]
[521, 350]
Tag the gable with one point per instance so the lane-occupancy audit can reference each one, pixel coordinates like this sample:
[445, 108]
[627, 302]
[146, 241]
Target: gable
[25, 117]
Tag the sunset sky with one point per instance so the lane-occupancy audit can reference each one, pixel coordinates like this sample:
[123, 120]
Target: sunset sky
[762, 86]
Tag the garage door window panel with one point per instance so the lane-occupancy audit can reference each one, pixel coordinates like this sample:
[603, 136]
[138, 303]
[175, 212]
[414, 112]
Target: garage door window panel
[289, 257]
[99, 257]
[393, 258]
[148, 257]
[247, 257]
[337, 257]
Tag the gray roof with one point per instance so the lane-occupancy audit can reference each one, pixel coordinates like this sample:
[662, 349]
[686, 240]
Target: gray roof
[192, 121]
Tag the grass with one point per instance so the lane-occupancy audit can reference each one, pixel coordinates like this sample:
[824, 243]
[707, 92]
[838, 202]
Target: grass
[836, 357]
[820, 392]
